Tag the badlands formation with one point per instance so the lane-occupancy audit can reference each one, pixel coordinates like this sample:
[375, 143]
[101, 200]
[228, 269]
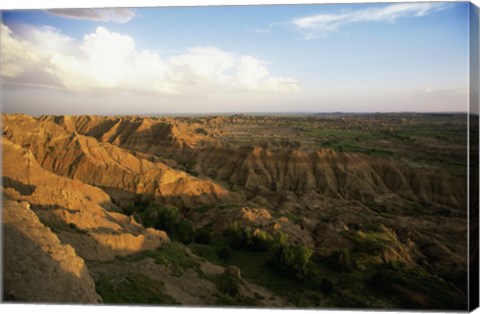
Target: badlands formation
[309, 211]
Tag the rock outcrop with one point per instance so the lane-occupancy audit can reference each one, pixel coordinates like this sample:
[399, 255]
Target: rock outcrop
[117, 171]
[150, 135]
[332, 174]
[78, 188]
[77, 211]
[37, 266]
[259, 169]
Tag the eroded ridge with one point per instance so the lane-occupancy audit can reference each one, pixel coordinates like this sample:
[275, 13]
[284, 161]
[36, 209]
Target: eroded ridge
[301, 210]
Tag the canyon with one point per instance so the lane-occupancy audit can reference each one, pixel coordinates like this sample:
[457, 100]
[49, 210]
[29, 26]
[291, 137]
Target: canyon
[300, 210]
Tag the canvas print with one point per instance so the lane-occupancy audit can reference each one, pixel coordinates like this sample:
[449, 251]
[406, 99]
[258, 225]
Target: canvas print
[265, 156]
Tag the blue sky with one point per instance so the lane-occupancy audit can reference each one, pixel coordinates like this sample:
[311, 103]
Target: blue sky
[288, 58]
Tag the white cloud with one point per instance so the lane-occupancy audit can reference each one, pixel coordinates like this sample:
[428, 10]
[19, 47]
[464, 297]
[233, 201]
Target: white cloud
[46, 38]
[20, 54]
[314, 26]
[202, 64]
[107, 60]
[118, 15]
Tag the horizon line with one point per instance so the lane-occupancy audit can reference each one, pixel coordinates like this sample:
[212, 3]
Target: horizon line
[305, 113]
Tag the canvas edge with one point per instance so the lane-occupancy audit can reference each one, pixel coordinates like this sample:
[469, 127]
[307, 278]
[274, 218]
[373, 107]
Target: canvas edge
[473, 159]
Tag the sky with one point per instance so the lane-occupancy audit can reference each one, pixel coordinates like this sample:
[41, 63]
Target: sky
[376, 57]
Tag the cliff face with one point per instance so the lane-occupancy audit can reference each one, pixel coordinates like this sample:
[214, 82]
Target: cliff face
[337, 175]
[71, 183]
[151, 135]
[114, 169]
[329, 173]
[77, 211]
[37, 266]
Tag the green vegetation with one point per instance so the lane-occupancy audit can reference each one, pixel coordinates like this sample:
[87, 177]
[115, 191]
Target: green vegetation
[351, 260]
[203, 208]
[167, 218]
[340, 261]
[203, 235]
[224, 253]
[246, 237]
[362, 275]
[255, 266]
[173, 255]
[183, 231]
[339, 278]
[228, 288]
[286, 270]
[226, 284]
[294, 260]
[304, 276]
[132, 289]
[414, 288]
[436, 138]
[349, 141]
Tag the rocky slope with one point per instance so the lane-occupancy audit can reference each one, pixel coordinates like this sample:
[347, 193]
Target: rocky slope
[261, 170]
[328, 173]
[115, 170]
[76, 211]
[150, 135]
[37, 266]
[60, 223]
[95, 183]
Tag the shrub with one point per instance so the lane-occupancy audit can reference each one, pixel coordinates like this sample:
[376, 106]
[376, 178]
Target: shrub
[226, 284]
[280, 239]
[261, 241]
[381, 281]
[172, 255]
[293, 259]
[240, 237]
[224, 253]
[167, 218]
[139, 204]
[183, 231]
[203, 208]
[203, 236]
[138, 218]
[251, 239]
[133, 289]
[340, 261]
[326, 286]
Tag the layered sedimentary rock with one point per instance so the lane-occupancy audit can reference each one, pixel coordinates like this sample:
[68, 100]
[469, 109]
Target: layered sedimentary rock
[340, 175]
[337, 175]
[152, 135]
[75, 177]
[104, 165]
[80, 214]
